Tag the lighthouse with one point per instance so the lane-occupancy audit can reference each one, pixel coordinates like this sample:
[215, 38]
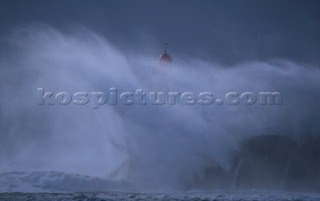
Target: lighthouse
[165, 58]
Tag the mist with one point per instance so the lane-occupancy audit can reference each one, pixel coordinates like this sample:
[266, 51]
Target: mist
[155, 147]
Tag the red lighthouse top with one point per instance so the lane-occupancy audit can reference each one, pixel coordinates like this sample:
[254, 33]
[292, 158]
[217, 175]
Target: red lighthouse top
[165, 58]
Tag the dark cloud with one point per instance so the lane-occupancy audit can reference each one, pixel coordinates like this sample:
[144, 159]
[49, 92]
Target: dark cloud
[221, 31]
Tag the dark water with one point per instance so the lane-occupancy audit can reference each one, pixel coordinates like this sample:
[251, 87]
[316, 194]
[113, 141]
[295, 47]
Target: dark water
[247, 196]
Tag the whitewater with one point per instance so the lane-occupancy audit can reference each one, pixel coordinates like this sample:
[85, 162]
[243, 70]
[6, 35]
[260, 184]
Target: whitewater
[150, 152]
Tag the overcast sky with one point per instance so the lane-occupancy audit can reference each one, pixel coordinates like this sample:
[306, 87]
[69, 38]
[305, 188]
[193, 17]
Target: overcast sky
[218, 30]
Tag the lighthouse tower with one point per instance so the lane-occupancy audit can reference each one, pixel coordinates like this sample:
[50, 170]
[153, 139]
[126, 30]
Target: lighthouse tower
[165, 58]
